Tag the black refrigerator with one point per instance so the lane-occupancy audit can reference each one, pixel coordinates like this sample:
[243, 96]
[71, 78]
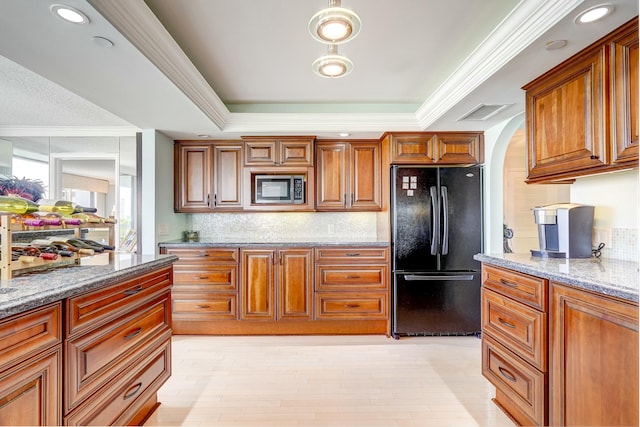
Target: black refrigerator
[436, 229]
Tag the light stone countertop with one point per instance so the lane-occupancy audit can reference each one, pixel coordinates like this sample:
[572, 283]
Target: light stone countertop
[606, 276]
[181, 243]
[25, 292]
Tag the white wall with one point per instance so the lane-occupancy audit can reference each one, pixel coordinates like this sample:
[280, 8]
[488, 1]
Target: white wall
[158, 221]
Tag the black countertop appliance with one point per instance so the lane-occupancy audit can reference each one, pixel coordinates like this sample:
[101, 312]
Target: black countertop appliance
[436, 229]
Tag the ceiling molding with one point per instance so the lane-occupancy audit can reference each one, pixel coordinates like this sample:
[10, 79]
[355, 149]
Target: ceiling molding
[136, 22]
[527, 22]
[327, 122]
[11, 131]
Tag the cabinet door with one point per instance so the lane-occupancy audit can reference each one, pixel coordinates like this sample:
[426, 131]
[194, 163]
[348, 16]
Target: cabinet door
[257, 284]
[331, 167]
[364, 162]
[295, 278]
[624, 93]
[413, 148]
[30, 392]
[460, 148]
[193, 177]
[594, 359]
[260, 153]
[565, 111]
[228, 174]
[296, 152]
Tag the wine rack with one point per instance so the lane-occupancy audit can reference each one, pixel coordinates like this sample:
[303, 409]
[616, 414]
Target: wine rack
[7, 229]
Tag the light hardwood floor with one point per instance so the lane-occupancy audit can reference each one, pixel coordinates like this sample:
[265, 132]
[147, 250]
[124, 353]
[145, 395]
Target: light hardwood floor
[326, 381]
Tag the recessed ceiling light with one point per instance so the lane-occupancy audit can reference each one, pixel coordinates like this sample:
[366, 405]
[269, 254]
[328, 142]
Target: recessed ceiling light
[555, 44]
[203, 135]
[102, 41]
[594, 13]
[69, 14]
[344, 134]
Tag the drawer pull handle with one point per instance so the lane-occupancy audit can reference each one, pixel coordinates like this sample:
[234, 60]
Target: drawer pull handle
[203, 255]
[352, 305]
[203, 277]
[505, 323]
[134, 389]
[203, 306]
[133, 291]
[353, 277]
[504, 282]
[352, 254]
[508, 375]
[133, 334]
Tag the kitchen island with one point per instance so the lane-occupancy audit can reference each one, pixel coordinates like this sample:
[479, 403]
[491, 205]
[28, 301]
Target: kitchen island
[560, 338]
[86, 345]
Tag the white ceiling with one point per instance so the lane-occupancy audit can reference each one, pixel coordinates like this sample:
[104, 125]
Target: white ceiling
[243, 67]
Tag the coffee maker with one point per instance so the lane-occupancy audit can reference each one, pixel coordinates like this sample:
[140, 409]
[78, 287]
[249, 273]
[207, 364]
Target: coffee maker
[564, 230]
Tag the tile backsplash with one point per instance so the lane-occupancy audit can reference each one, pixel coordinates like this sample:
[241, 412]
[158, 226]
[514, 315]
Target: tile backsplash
[276, 227]
[624, 245]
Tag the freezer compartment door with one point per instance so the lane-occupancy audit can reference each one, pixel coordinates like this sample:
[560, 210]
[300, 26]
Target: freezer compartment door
[436, 303]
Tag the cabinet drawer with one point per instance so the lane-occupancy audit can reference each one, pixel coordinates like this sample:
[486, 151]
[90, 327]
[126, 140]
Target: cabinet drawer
[527, 289]
[121, 399]
[193, 306]
[25, 334]
[95, 357]
[518, 326]
[350, 277]
[346, 255]
[355, 306]
[213, 278]
[92, 308]
[521, 383]
[202, 255]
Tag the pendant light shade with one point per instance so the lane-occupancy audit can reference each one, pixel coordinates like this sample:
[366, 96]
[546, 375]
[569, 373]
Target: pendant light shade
[332, 65]
[335, 24]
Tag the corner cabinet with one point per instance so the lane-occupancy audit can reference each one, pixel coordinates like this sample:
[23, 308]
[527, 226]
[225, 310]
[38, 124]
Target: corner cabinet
[348, 176]
[594, 359]
[439, 148]
[207, 176]
[582, 116]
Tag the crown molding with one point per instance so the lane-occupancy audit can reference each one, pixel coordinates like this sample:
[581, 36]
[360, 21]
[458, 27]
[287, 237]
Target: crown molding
[53, 131]
[320, 122]
[526, 23]
[137, 23]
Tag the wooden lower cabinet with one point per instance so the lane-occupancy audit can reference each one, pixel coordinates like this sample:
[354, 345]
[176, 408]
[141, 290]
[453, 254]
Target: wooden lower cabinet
[117, 350]
[594, 359]
[31, 368]
[258, 290]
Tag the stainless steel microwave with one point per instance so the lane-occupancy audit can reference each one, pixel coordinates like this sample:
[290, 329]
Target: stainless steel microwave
[279, 189]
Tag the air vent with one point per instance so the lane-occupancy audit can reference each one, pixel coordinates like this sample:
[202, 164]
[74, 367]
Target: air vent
[484, 111]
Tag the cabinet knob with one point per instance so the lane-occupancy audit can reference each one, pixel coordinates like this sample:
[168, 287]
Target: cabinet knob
[595, 157]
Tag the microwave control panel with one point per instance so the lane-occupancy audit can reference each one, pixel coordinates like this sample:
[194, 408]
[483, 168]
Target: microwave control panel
[298, 190]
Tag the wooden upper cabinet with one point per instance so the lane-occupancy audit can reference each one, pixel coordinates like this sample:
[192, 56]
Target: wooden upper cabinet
[207, 176]
[624, 93]
[582, 116]
[193, 177]
[348, 175]
[278, 151]
[428, 148]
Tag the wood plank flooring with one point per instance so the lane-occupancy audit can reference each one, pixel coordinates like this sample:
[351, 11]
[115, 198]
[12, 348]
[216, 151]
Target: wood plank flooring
[327, 381]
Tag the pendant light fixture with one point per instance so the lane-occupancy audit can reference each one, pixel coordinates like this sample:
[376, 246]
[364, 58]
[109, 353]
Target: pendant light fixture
[332, 65]
[334, 25]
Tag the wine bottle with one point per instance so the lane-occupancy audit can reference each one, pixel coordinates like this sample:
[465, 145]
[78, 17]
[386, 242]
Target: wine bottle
[17, 205]
[60, 206]
[84, 209]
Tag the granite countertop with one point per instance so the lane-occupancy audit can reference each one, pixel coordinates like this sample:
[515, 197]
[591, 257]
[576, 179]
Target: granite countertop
[25, 292]
[602, 275]
[245, 243]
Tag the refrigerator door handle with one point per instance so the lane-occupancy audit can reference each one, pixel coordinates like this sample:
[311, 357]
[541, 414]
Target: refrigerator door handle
[445, 225]
[435, 214]
[418, 277]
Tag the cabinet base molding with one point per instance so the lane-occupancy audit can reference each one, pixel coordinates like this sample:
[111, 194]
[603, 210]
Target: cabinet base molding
[512, 410]
[316, 327]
